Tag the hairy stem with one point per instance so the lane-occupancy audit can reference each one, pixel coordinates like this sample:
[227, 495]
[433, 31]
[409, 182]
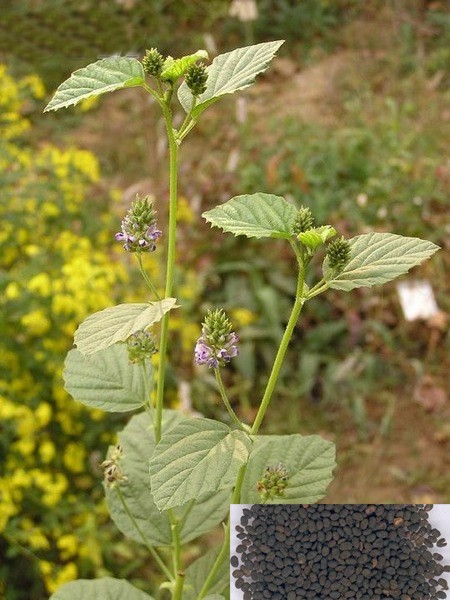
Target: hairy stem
[296, 309]
[173, 201]
[144, 539]
[224, 396]
[177, 592]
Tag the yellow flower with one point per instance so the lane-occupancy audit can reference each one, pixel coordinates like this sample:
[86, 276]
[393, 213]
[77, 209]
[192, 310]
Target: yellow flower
[64, 574]
[184, 211]
[242, 317]
[74, 457]
[40, 284]
[43, 414]
[35, 322]
[12, 291]
[25, 446]
[47, 451]
[68, 546]
[37, 540]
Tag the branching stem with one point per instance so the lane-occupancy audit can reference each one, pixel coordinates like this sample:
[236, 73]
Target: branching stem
[279, 358]
[146, 277]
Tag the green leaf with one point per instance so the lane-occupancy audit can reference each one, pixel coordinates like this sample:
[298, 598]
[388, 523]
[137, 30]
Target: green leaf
[103, 76]
[255, 215]
[377, 258]
[313, 238]
[138, 443]
[106, 588]
[106, 379]
[229, 73]
[196, 457]
[117, 323]
[198, 571]
[309, 461]
[173, 69]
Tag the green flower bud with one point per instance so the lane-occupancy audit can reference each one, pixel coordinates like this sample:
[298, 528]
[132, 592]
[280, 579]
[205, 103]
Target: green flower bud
[196, 77]
[273, 483]
[304, 221]
[153, 62]
[141, 345]
[338, 254]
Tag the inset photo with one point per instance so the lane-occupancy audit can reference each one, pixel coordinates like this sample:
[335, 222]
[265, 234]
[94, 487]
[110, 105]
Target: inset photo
[340, 551]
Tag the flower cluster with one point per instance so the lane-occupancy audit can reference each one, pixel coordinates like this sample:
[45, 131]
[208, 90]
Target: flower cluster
[273, 483]
[338, 254]
[112, 472]
[196, 77]
[304, 220]
[139, 229]
[141, 345]
[153, 62]
[217, 344]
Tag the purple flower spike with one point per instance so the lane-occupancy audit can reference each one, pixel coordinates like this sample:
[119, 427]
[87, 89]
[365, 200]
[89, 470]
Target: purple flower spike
[139, 228]
[217, 344]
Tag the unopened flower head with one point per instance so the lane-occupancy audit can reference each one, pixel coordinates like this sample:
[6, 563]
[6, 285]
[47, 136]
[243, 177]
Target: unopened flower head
[273, 483]
[304, 220]
[141, 345]
[139, 229]
[217, 344]
[338, 254]
[196, 77]
[153, 62]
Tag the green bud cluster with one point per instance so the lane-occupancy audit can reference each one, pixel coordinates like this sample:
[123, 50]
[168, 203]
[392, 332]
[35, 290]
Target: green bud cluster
[153, 62]
[338, 254]
[196, 77]
[216, 328]
[273, 483]
[304, 220]
[141, 345]
[143, 211]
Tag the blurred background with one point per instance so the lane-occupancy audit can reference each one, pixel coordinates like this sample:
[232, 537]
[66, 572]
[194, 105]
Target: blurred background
[352, 120]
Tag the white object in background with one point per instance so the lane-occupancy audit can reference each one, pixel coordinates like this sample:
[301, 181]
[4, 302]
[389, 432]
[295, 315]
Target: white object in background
[417, 299]
[439, 517]
[244, 10]
[236, 511]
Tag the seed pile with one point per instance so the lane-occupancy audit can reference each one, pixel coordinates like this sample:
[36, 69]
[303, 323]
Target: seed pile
[339, 551]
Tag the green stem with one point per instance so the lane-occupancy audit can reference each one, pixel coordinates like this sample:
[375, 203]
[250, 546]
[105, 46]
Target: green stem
[173, 200]
[316, 290]
[224, 396]
[187, 121]
[296, 309]
[297, 250]
[176, 557]
[223, 555]
[187, 129]
[146, 277]
[150, 548]
[148, 404]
